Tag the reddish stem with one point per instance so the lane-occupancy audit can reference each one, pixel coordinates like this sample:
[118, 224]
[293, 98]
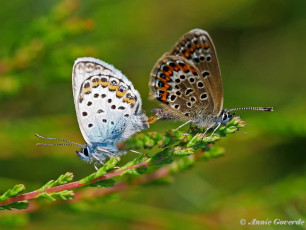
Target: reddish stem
[72, 185]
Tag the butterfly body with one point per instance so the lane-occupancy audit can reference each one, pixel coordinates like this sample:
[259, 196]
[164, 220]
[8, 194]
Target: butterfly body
[187, 81]
[108, 108]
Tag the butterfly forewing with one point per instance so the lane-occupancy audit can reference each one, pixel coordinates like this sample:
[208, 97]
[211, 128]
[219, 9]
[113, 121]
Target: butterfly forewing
[197, 47]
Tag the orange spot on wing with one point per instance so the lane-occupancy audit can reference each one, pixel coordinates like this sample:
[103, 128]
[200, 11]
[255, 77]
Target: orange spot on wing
[164, 97]
[163, 80]
[120, 94]
[164, 88]
[184, 68]
[193, 71]
[168, 73]
[176, 68]
[129, 100]
[104, 83]
[113, 87]
[87, 90]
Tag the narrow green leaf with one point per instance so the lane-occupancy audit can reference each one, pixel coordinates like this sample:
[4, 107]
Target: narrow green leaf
[63, 179]
[182, 151]
[110, 164]
[230, 129]
[198, 137]
[16, 190]
[45, 195]
[212, 139]
[64, 195]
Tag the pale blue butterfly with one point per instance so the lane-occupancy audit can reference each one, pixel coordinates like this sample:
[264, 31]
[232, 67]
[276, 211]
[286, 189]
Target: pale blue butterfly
[108, 108]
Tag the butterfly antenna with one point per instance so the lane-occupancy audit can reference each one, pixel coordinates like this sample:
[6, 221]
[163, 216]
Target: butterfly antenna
[43, 144]
[268, 109]
[71, 143]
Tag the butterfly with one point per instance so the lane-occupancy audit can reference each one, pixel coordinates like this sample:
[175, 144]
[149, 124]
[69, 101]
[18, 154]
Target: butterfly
[108, 109]
[187, 81]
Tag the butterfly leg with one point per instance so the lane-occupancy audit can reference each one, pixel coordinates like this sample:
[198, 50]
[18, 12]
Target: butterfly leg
[217, 127]
[182, 125]
[95, 165]
[134, 151]
[98, 161]
[207, 130]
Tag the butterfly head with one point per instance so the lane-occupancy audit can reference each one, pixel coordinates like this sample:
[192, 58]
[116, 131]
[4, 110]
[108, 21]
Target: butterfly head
[225, 116]
[86, 154]
[97, 152]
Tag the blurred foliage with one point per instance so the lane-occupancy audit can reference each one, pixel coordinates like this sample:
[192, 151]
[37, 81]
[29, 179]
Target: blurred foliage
[261, 51]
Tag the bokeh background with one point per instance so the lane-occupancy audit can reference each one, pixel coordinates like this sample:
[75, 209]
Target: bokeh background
[261, 49]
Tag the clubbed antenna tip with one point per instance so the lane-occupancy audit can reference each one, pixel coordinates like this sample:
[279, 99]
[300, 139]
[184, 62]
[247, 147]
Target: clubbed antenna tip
[270, 109]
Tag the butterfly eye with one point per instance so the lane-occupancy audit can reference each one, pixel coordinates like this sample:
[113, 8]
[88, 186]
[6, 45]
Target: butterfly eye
[85, 152]
[224, 117]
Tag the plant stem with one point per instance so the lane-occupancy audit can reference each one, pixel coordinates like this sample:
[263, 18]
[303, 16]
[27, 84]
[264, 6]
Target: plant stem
[69, 186]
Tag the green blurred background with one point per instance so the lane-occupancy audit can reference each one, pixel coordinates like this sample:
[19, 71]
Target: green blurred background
[261, 49]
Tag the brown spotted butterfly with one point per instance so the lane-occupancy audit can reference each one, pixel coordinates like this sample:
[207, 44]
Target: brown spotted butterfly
[187, 82]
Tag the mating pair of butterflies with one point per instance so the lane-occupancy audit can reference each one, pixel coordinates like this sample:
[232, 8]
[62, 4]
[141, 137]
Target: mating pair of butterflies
[187, 82]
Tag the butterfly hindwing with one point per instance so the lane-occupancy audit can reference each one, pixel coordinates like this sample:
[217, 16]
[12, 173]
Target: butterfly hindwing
[176, 83]
[107, 105]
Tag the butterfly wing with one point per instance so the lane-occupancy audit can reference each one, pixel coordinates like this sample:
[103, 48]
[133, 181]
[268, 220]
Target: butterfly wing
[108, 107]
[176, 82]
[197, 47]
